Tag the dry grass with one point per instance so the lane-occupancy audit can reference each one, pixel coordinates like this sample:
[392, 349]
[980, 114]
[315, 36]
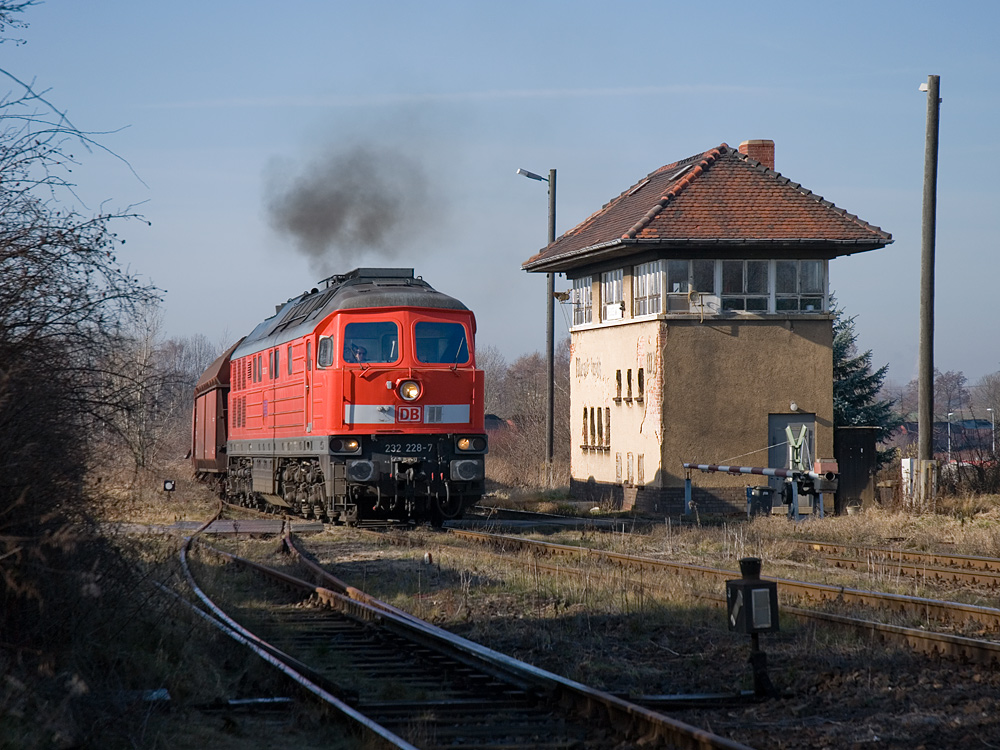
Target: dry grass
[121, 496]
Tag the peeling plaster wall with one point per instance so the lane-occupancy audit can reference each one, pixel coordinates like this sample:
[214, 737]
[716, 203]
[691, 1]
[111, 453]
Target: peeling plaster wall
[598, 356]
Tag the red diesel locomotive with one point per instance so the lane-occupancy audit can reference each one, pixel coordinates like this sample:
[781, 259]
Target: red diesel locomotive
[359, 400]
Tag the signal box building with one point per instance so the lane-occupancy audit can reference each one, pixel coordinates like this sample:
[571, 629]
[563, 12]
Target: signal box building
[701, 327]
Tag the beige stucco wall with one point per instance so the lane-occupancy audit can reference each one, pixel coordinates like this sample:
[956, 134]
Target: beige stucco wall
[709, 388]
[597, 354]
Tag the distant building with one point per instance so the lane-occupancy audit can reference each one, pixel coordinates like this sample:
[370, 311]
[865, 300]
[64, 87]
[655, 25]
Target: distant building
[701, 326]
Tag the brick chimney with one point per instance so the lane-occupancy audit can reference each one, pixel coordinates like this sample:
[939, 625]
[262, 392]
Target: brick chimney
[760, 150]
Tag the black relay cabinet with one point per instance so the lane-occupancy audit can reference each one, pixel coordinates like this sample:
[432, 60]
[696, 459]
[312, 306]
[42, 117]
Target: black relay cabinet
[753, 609]
[752, 603]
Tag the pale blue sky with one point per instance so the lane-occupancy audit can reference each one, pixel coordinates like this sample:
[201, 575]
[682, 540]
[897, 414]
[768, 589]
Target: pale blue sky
[217, 97]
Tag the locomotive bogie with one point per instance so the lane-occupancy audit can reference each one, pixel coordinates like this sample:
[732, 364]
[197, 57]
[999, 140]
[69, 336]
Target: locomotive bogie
[421, 478]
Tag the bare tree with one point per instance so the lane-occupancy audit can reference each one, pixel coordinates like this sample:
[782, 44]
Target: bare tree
[902, 395]
[138, 387]
[951, 393]
[491, 361]
[986, 393]
[179, 364]
[517, 455]
[63, 302]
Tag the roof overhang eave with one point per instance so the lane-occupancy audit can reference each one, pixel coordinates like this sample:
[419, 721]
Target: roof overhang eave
[572, 258]
[596, 253]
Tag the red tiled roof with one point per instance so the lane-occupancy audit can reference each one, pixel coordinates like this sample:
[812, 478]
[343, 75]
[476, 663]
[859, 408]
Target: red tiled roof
[711, 200]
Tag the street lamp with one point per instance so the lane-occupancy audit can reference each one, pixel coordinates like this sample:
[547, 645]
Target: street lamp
[550, 291]
[949, 437]
[993, 430]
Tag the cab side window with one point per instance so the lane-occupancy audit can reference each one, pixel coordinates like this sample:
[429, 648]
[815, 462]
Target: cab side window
[324, 352]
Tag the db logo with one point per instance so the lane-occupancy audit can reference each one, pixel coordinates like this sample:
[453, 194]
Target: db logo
[409, 413]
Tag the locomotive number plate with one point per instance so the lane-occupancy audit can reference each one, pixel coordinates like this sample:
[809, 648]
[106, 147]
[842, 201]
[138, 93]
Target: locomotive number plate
[408, 448]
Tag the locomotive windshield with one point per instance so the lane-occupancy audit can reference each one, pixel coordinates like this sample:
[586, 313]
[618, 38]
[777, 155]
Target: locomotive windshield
[441, 343]
[371, 342]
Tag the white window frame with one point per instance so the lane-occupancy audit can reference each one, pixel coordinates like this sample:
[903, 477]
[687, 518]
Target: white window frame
[582, 299]
[802, 297]
[740, 301]
[612, 294]
[647, 288]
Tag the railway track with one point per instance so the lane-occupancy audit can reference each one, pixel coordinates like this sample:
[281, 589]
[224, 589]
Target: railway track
[922, 639]
[944, 568]
[414, 685]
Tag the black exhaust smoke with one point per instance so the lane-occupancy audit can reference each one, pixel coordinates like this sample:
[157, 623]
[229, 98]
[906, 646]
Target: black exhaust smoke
[343, 205]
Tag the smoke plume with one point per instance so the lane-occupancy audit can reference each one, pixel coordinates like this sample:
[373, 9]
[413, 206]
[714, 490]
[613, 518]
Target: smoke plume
[348, 204]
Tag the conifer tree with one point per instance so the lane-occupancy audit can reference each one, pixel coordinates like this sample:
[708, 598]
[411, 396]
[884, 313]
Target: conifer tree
[856, 387]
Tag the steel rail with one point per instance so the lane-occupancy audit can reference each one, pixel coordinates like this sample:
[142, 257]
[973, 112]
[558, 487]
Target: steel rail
[944, 611]
[931, 573]
[962, 562]
[957, 647]
[278, 659]
[265, 654]
[637, 721]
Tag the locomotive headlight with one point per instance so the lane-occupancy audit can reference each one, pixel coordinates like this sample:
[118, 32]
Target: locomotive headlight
[409, 390]
[471, 444]
[344, 445]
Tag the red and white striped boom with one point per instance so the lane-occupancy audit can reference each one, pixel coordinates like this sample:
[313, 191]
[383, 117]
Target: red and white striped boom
[786, 473]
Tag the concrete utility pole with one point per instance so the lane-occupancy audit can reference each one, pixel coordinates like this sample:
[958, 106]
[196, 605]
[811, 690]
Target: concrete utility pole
[925, 423]
[550, 378]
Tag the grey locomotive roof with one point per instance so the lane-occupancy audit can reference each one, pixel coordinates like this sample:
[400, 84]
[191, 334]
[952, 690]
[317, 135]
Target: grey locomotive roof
[361, 288]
